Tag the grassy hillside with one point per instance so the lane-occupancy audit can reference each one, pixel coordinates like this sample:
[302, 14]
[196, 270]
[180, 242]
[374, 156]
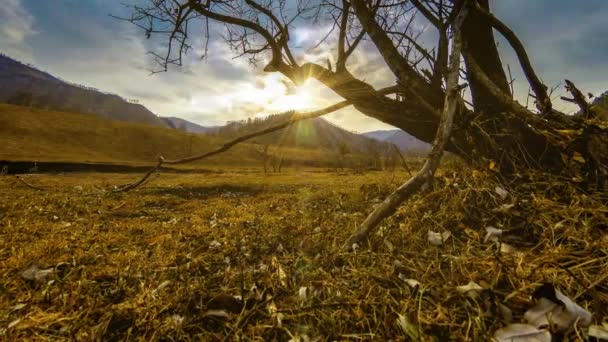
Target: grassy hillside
[29, 134]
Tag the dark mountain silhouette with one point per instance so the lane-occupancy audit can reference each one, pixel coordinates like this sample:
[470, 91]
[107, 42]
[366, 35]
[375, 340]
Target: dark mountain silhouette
[401, 139]
[24, 85]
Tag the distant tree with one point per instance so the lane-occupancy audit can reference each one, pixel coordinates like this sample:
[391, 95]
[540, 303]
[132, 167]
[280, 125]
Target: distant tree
[343, 151]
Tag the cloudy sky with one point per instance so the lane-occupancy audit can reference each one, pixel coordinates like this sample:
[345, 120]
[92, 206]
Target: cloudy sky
[78, 41]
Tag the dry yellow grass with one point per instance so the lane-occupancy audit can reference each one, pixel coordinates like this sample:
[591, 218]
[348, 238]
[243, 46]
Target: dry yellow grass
[30, 134]
[165, 262]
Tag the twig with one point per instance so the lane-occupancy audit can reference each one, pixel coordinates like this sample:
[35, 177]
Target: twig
[28, 184]
[407, 168]
[295, 118]
[422, 180]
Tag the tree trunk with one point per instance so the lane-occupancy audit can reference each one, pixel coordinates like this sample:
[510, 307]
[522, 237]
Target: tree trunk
[479, 40]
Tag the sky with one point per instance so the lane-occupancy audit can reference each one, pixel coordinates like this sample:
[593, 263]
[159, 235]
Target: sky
[79, 41]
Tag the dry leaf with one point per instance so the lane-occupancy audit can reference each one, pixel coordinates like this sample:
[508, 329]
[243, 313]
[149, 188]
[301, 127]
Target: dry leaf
[437, 239]
[35, 273]
[492, 234]
[560, 315]
[471, 289]
[521, 333]
[600, 332]
[501, 192]
[413, 283]
[302, 292]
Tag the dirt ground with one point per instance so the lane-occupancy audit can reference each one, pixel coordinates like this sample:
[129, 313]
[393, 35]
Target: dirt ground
[242, 255]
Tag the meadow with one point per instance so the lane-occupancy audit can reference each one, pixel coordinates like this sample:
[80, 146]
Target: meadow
[238, 254]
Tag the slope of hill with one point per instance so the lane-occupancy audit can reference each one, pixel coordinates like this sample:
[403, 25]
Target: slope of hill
[312, 133]
[29, 134]
[187, 126]
[25, 85]
[401, 139]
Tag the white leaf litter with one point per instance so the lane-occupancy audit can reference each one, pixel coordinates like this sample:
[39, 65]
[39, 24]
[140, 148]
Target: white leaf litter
[35, 273]
[437, 239]
[303, 292]
[519, 332]
[413, 283]
[501, 192]
[215, 244]
[471, 289]
[492, 234]
[562, 317]
[547, 315]
[599, 331]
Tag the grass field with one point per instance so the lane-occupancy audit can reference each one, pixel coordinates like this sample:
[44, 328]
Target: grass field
[30, 134]
[243, 255]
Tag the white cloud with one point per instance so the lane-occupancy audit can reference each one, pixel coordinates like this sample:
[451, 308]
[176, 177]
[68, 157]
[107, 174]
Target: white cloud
[16, 24]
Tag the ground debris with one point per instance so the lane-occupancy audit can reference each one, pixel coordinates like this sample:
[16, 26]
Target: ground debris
[183, 261]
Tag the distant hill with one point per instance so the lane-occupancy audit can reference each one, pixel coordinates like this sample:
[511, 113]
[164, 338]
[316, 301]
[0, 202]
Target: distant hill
[31, 134]
[24, 85]
[187, 126]
[311, 133]
[401, 139]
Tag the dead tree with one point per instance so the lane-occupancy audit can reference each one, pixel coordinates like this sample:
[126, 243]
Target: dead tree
[494, 128]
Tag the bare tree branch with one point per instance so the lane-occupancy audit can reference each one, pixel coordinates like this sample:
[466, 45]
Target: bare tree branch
[294, 118]
[542, 99]
[423, 179]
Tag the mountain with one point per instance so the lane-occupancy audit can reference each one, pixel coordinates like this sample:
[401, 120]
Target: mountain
[24, 85]
[401, 139]
[187, 126]
[311, 133]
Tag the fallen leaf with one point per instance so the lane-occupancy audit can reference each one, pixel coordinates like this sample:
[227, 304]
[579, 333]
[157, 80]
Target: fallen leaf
[413, 283]
[492, 234]
[471, 289]
[519, 332]
[600, 332]
[13, 323]
[35, 273]
[555, 310]
[302, 292]
[501, 192]
[437, 239]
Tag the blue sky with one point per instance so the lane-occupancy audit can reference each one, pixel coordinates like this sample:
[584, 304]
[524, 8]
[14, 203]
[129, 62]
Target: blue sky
[78, 41]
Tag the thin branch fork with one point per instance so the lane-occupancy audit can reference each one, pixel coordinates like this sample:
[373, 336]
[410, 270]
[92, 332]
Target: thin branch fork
[579, 99]
[543, 102]
[423, 179]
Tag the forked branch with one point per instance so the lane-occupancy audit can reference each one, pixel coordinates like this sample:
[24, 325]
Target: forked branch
[423, 179]
[543, 102]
